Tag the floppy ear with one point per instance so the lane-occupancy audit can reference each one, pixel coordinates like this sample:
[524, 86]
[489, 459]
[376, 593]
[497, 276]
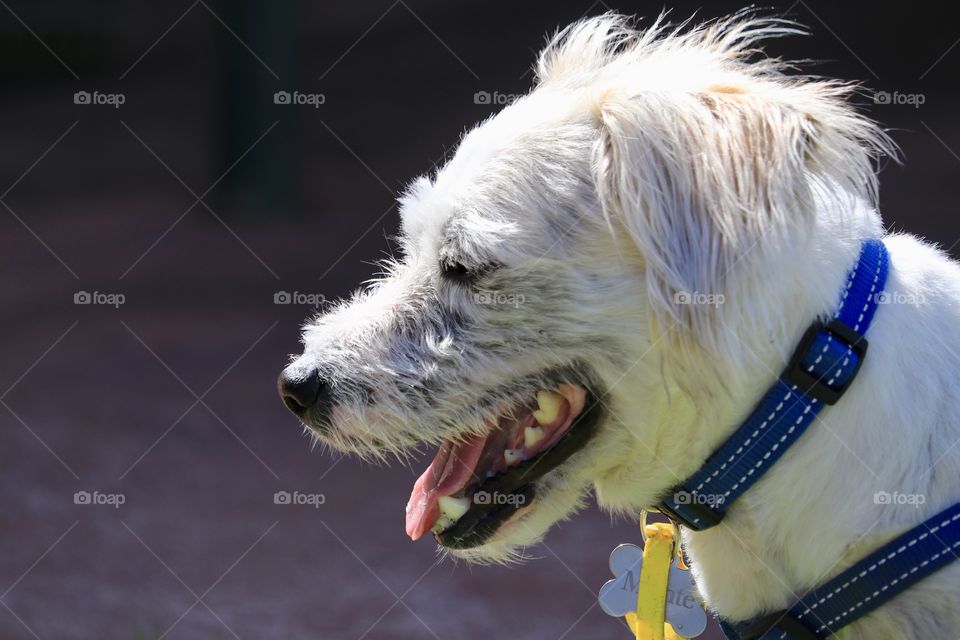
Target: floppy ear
[710, 185]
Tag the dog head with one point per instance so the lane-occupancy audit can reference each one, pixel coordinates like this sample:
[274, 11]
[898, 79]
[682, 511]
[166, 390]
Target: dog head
[569, 278]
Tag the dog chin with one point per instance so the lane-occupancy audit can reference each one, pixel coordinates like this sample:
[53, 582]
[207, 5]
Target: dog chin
[524, 529]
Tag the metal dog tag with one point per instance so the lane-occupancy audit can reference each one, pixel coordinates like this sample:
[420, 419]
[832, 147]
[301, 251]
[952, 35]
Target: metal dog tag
[618, 597]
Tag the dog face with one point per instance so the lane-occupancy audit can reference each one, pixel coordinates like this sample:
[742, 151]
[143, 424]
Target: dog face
[511, 287]
[552, 277]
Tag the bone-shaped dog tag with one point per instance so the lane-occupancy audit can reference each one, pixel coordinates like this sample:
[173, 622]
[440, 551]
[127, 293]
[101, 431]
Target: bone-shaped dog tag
[618, 597]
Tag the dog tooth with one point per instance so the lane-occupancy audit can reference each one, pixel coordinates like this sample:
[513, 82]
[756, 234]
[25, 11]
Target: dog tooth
[442, 524]
[531, 436]
[453, 508]
[511, 456]
[549, 404]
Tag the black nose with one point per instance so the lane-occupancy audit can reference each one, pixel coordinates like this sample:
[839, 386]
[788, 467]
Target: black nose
[303, 390]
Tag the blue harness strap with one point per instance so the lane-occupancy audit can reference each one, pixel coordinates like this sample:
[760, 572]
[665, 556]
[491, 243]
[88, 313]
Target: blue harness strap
[821, 369]
[863, 587]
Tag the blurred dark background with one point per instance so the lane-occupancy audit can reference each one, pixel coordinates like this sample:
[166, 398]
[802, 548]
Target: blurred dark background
[143, 155]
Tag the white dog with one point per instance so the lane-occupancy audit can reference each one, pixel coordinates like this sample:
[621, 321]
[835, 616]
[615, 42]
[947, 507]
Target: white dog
[636, 247]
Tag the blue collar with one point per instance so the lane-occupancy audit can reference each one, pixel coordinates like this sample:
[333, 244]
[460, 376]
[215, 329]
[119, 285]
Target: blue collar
[820, 371]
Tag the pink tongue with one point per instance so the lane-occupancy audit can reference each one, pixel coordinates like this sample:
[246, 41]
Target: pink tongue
[450, 471]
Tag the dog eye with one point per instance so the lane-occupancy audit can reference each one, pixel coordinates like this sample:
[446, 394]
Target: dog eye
[456, 271]
[459, 272]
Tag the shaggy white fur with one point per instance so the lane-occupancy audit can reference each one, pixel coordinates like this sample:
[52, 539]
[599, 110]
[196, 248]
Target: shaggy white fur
[646, 170]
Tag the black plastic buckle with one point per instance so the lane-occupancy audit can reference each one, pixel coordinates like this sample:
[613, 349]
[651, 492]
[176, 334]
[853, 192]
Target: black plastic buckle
[815, 387]
[685, 509]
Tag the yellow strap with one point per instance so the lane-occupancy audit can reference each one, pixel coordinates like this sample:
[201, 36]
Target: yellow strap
[648, 623]
[668, 632]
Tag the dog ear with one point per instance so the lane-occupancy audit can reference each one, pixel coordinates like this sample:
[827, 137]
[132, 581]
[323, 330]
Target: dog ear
[708, 185]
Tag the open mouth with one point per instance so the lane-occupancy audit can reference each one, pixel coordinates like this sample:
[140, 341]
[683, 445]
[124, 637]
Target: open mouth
[474, 485]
